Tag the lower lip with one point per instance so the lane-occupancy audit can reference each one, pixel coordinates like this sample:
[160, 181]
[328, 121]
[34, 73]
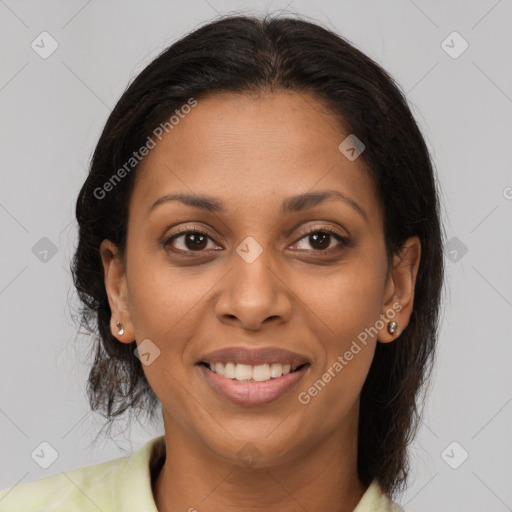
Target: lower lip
[252, 393]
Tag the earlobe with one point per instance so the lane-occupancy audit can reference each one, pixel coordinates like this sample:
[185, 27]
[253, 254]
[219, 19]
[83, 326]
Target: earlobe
[116, 288]
[402, 282]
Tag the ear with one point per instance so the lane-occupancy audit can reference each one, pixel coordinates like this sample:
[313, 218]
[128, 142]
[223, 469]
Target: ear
[117, 291]
[399, 293]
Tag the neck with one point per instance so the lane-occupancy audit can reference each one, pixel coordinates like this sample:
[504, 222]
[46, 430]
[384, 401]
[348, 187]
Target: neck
[194, 479]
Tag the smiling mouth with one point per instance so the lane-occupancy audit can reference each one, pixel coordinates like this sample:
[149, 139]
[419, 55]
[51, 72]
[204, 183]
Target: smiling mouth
[252, 373]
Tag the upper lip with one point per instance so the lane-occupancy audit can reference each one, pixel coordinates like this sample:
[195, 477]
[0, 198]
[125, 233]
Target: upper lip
[254, 357]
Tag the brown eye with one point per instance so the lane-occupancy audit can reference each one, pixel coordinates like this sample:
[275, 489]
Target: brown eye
[189, 240]
[322, 240]
[195, 241]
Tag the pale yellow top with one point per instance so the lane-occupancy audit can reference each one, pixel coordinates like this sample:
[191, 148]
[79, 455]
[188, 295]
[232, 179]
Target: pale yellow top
[121, 485]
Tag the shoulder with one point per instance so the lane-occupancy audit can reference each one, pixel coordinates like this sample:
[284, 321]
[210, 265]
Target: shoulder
[90, 488]
[375, 500]
[77, 490]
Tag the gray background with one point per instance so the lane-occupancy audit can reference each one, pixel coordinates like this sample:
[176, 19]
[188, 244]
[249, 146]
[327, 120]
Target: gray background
[53, 110]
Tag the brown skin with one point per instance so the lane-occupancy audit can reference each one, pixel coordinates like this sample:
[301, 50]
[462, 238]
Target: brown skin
[251, 152]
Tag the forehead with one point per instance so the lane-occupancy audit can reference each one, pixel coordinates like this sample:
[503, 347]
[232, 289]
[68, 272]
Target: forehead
[244, 147]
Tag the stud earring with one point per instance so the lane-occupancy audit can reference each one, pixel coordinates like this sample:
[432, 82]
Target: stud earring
[392, 327]
[119, 325]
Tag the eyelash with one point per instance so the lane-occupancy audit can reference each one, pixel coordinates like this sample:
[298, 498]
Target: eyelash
[344, 241]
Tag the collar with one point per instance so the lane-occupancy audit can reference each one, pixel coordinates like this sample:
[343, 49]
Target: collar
[133, 490]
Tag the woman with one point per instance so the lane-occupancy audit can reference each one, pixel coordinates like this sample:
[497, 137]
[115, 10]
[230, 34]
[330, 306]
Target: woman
[260, 251]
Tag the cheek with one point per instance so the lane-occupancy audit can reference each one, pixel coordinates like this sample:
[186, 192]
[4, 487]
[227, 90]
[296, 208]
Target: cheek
[349, 305]
[347, 302]
[163, 298]
[335, 385]
[164, 305]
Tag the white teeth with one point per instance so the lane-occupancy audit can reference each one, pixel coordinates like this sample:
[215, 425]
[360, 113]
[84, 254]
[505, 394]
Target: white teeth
[276, 370]
[258, 373]
[261, 372]
[243, 372]
[219, 368]
[230, 370]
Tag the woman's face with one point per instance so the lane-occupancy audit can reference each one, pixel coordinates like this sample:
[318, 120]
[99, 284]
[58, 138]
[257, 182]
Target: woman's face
[289, 255]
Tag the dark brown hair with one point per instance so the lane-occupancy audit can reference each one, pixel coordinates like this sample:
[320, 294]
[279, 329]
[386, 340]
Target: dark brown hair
[250, 54]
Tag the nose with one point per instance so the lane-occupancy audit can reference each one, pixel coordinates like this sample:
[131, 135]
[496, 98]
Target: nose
[254, 294]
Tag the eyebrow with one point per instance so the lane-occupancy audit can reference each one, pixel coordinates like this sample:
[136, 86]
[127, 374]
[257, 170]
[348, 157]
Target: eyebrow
[291, 204]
